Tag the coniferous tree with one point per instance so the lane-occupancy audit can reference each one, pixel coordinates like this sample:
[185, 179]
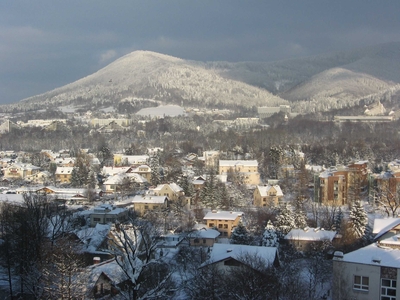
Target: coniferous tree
[155, 170]
[208, 194]
[338, 220]
[358, 219]
[285, 220]
[240, 235]
[270, 236]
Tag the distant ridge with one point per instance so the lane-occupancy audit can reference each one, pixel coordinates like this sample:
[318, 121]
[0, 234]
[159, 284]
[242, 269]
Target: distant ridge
[310, 84]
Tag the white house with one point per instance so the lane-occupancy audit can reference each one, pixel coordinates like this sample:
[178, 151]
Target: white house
[368, 273]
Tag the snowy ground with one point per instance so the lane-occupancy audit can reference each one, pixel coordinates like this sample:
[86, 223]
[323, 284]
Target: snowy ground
[162, 110]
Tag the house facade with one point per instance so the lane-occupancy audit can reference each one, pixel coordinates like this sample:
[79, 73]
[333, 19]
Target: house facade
[20, 171]
[246, 168]
[145, 203]
[267, 195]
[223, 221]
[171, 190]
[368, 273]
[64, 174]
[342, 185]
[105, 214]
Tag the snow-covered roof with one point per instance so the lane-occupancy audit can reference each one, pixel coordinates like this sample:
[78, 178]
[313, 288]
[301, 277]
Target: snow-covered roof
[233, 163]
[381, 226]
[222, 252]
[174, 187]
[64, 170]
[110, 268]
[205, 233]
[118, 178]
[149, 199]
[310, 234]
[264, 189]
[223, 215]
[110, 171]
[12, 198]
[93, 237]
[375, 255]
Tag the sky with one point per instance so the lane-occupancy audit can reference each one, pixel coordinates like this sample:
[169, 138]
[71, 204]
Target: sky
[45, 44]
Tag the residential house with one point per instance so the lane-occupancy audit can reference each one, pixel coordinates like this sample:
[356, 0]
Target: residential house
[204, 237]
[128, 160]
[171, 190]
[115, 184]
[105, 214]
[307, 238]
[142, 170]
[210, 158]
[248, 169]
[368, 273]
[144, 203]
[223, 221]
[228, 256]
[385, 228]
[267, 195]
[64, 174]
[40, 177]
[20, 171]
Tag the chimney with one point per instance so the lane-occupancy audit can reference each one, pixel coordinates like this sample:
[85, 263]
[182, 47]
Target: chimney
[96, 260]
[376, 259]
[338, 255]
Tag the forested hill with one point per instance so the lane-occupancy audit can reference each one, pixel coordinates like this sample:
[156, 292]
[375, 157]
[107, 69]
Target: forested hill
[312, 84]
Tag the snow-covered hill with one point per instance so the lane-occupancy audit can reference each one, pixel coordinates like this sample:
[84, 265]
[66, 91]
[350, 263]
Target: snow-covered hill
[150, 75]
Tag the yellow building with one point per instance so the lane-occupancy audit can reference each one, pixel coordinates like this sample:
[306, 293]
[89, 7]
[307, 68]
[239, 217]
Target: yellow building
[172, 191]
[247, 168]
[224, 221]
[267, 195]
[145, 203]
[63, 174]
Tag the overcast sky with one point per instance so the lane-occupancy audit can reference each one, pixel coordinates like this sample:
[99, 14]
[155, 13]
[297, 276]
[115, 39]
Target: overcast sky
[45, 44]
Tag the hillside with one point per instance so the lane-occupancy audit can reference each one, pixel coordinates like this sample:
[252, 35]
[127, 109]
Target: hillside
[153, 76]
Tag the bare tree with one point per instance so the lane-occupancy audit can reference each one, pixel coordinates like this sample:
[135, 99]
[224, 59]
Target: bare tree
[134, 247]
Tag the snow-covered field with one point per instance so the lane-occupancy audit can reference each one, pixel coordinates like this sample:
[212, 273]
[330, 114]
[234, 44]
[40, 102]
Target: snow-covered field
[162, 110]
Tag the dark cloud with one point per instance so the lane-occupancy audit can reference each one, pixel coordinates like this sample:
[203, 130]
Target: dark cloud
[45, 44]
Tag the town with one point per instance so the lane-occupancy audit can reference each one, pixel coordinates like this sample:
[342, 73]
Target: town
[208, 205]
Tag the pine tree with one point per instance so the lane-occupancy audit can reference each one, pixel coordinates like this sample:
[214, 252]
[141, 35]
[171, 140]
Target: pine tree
[300, 219]
[270, 236]
[358, 219]
[155, 170]
[338, 220]
[285, 220]
[240, 235]
[208, 194]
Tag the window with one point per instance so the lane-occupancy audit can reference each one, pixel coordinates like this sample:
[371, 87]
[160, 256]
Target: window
[225, 226]
[146, 207]
[361, 283]
[388, 289]
[211, 225]
[219, 225]
[96, 219]
[204, 241]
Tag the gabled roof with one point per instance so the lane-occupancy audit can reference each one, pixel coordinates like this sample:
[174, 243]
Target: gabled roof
[93, 237]
[221, 252]
[109, 268]
[265, 189]
[382, 226]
